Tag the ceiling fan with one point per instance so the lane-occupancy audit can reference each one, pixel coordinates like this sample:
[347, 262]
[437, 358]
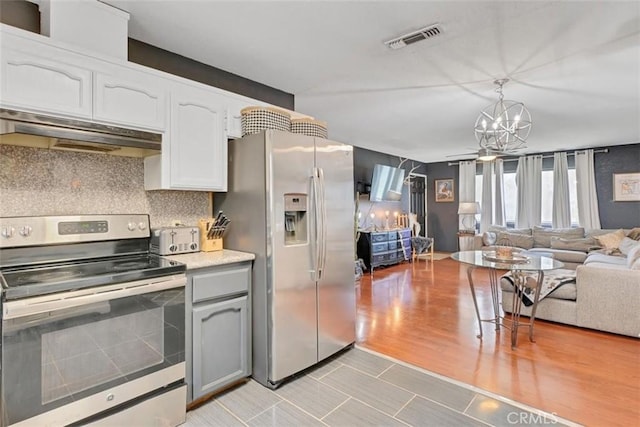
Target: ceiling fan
[486, 155]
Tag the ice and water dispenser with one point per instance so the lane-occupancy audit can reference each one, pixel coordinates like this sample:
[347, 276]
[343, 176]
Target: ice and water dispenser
[295, 219]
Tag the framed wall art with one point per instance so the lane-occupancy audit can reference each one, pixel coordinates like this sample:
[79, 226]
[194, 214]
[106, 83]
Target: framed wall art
[626, 187]
[444, 190]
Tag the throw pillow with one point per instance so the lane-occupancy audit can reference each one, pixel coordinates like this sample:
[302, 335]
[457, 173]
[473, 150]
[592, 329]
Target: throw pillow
[633, 256]
[634, 233]
[514, 239]
[489, 238]
[498, 228]
[542, 236]
[611, 240]
[586, 244]
[627, 244]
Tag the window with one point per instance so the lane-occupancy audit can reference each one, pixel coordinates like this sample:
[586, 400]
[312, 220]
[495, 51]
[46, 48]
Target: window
[511, 197]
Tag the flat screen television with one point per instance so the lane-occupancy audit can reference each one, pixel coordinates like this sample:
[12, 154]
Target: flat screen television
[386, 184]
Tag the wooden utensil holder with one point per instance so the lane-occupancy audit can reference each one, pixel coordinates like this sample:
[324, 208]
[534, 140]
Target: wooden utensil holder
[208, 245]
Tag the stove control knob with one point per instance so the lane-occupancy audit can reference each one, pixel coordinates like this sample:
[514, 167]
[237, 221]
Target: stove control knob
[193, 246]
[173, 248]
[25, 231]
[131, 226]
[7, 232]
[142, 226]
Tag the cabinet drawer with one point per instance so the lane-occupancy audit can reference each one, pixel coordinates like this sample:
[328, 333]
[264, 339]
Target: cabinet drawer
[392, 235]
[393, 244]
[379, 247]
[221, 281]
[378, 237]
[378, 259]
[392, 256]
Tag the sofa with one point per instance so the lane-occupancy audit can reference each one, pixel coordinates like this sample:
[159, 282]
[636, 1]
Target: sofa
[606, 293]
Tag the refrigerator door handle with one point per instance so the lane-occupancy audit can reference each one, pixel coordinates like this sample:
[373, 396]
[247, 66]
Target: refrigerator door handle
[316, 236]
[323, 223]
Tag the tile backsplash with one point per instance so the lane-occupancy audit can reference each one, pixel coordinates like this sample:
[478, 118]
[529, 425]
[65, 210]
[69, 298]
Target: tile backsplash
[36, 181]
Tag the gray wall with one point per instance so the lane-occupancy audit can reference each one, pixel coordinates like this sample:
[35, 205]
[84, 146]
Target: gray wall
[21, 14]
[442, 217]
[619, 159]
[364, 161]
[153, 57]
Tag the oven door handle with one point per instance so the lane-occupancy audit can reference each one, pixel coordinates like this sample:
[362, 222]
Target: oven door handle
[63, 300]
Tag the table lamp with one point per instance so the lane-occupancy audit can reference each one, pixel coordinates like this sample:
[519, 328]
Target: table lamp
[468, 211]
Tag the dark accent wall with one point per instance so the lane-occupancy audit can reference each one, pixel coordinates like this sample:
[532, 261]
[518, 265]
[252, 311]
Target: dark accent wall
[21, 14]
[619, 159]
[160, 59]
[25, 15]
[442, 217]
[364, 161]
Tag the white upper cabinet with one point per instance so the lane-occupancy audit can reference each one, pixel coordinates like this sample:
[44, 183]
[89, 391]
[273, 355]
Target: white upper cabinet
[234, 124]
[198, 139]
[194, 156]
[41, 75]
[46, 85]
[129, 98]
[235, 104]
[44, 78]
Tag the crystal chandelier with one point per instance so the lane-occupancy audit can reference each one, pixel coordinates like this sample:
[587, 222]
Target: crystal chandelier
[503, 126]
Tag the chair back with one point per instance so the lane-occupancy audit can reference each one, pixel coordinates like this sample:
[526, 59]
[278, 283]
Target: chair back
[414, 225]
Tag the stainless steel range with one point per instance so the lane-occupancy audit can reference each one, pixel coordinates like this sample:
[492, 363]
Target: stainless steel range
[92, 324]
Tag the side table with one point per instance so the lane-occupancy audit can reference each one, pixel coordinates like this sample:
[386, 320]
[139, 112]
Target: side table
[528, 263]
[465, 241]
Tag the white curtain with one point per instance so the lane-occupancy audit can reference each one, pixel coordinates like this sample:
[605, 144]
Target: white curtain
[561, 215]
[486, 218]
[529, 183]
[588, 215]
[499, 215]
[467, 185]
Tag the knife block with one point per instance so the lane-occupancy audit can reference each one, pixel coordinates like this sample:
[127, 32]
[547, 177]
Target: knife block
[208, 245]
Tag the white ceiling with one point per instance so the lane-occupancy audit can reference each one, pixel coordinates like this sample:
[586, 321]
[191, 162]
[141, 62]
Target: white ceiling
[575, 65]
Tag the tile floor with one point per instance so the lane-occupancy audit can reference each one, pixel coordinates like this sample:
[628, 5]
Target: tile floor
[361, 388]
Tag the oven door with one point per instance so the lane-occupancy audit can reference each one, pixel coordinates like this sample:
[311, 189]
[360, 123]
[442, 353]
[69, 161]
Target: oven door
[68, 356]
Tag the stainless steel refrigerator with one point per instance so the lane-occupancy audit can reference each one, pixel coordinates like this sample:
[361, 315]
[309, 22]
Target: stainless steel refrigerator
[291, 202]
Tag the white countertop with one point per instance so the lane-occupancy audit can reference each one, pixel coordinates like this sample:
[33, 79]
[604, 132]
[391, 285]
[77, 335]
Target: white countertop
[210, 259]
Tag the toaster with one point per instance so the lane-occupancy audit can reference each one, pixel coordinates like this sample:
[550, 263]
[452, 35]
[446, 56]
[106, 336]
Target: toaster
[174, 240]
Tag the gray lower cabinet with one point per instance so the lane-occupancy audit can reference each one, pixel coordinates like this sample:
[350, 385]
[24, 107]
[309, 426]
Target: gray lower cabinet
[220, 328]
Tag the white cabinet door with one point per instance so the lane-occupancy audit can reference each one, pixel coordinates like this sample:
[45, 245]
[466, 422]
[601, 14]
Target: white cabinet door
[130, 98]
[234, 125]
[198, 143]
[34, 83]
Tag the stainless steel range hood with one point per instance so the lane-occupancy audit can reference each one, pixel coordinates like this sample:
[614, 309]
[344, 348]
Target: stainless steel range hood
[77, 135]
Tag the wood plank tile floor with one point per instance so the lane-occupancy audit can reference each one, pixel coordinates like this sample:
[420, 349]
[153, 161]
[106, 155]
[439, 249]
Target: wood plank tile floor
[362, 388]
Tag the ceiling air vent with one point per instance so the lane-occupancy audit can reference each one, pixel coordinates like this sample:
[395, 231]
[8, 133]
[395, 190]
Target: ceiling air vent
[414, 36]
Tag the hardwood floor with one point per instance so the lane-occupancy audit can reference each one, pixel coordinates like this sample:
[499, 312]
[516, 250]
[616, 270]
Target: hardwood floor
[423, 314]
